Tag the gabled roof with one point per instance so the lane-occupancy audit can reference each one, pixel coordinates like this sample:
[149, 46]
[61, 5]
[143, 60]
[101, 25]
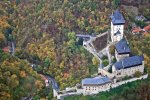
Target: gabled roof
[117, 18]
[6, 49]
[141, 17]
[118, 32]
[122, 47]
[96, 81]
[136, 30]
[129, 62]
[147, 28]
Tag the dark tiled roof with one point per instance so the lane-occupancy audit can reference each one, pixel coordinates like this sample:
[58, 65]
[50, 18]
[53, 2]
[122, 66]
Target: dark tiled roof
[117, 18]
[96, 80]
[118, 32]
[122, 47]
[129, 62]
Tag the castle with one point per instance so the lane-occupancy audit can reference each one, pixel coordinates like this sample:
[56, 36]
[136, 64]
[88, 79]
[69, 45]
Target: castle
[126, 65]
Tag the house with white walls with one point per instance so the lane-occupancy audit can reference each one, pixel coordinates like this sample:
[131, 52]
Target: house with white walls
[96, 84]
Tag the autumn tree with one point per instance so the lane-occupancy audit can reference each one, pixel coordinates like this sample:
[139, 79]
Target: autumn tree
[95, 61]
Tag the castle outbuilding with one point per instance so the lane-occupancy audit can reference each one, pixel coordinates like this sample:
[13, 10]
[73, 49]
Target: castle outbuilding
[96, 84]
[122, 49]
[128, 66]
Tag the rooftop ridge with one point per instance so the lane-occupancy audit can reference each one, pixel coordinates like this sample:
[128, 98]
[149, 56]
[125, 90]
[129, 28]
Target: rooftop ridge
[129, 62]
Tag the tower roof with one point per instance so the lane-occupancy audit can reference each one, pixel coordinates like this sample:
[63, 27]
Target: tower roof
[122, 47]
[117, 18]
[129, 62]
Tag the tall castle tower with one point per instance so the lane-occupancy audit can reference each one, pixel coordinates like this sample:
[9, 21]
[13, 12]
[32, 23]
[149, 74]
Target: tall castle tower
[117, 26]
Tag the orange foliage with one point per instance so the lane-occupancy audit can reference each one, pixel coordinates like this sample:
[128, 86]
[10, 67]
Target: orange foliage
[22, 74]
[3, 22]
[66, 75]
[38, 84]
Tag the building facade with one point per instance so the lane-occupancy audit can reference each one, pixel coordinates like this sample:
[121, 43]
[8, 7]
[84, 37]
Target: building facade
[122, 49]
[95, 85]
[117, 26]
[128, 66]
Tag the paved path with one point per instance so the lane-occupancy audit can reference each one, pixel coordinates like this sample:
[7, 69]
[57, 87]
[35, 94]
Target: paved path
[108, 54]
[53, 81]
[13, 47]
[92, 50]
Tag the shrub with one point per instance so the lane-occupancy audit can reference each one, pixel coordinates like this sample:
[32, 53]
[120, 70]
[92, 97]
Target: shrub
[105, 62]
[104, 57]
[137, 74]
[112, 50]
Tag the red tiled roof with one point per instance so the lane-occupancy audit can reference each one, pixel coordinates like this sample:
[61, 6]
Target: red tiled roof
[146, 28]
[145, 33]
[136, 30]
[6, 49]
[43, 77]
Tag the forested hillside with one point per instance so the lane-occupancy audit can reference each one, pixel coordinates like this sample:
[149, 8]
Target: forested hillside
[44, 33]
[17, 78]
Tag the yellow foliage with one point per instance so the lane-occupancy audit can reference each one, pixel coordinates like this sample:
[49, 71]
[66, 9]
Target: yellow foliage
[22, 74]
[5, 96]
[3, 22]
[2, 37]
[38, 84]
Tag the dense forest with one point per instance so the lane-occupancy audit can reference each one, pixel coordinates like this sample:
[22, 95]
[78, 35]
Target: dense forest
[44, 34]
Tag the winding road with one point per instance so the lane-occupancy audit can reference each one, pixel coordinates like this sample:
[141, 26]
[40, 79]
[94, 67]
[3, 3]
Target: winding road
[53, 82]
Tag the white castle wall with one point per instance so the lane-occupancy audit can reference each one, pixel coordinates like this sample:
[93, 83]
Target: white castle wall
[126, 81]
[114, 29]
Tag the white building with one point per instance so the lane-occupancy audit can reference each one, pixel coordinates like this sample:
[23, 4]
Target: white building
[122, 49]
[128, 66]
[117, 26]
[95, 85]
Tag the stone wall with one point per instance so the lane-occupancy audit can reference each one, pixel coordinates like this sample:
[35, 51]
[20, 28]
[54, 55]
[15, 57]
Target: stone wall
[105, 73]
[126, 81]
[128, 71]
[95, 89]
[120, 56]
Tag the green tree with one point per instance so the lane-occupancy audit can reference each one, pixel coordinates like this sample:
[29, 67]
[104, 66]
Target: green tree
[115, 3]
[71, 35]
[140, 23]
[50, 95]
[13, 81]
[105, 62]
[112, 50]
[95, 61]
[47, 62]
[37, 97]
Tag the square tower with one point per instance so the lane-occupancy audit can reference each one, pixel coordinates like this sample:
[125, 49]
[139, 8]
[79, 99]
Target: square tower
[117, 26]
